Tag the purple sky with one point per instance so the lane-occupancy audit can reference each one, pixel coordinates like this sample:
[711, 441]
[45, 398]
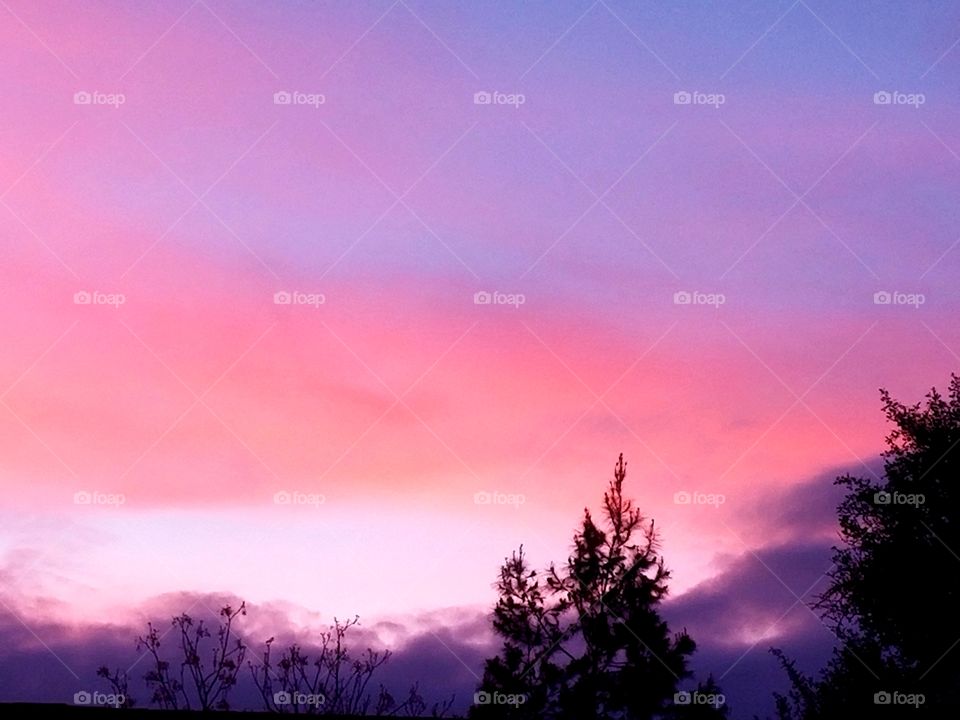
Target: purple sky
[311, 283]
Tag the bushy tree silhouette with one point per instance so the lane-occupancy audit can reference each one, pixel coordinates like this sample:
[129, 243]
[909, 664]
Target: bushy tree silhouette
[707, 702]
[586, 640]
[895, 586]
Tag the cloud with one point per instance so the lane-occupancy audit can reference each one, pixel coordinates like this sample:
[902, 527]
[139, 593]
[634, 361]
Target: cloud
[763, 597]
[760, 599]
[803, 511]
[48, 661]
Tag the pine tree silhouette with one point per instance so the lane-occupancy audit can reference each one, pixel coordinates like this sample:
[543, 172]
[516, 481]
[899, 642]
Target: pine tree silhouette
[585, 640]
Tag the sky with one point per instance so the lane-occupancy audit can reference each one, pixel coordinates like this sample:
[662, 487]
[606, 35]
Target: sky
[330, 306]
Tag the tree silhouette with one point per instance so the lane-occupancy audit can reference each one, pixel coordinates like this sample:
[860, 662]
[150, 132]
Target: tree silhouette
[196, 683]
[204, 669]
[119, 685]
[585, 640]
[335, 682]
[895, 586]
[707, 702]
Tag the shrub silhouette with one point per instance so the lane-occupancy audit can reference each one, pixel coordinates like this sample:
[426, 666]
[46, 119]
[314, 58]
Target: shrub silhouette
[119, 685]
[196, 684]
[205, 670]
[895, 586]
[585, 640]
[336, 680]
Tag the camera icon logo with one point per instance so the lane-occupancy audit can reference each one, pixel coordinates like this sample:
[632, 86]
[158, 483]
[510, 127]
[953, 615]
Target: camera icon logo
[682, 98]
[282, 298]
[682, 297]
[882, 97]
[481, 698]
[482, 498]
[882, 297]
[282, 498]
[882, 498]
[82, 298]
[681, 498]
[82, 98]
[282, 698]
[682, 698]
[82, 698]
[82, 498]
[882, 698]
[282, 97]
[482, 98]
[482, 298]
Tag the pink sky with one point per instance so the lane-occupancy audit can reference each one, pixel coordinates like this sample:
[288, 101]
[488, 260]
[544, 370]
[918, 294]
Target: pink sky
[398, 399]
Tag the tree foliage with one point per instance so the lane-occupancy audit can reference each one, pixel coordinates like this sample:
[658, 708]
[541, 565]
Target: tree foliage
[895, 584]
